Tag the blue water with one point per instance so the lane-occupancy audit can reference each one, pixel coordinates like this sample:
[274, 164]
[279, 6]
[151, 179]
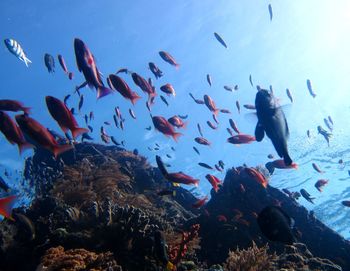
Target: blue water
[305, 40]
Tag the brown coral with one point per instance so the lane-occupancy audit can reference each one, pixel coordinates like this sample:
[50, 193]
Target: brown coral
[251, 259]
[57, 259]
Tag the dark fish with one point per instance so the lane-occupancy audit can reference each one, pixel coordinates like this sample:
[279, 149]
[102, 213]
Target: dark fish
[115, 142]
[272, 121]
[157, 145]
[217, 36]
[202, 141]
[72, 110]
[200, 130]
[90, 128]
[123, 142]
[325, 134]
[218, 168]
[13, 106]
[65, 119]
[329, 126]
[211, 125]
[148, 105]
[270, 156]
[238, 107]
[81, 102]
[215, 119]
[86, 118]
[169, 59]
[317, 168]
[330, 120]
[197, 101]
[49, 63]
[164, 100]
[306, 195]
[308, 133]
[91, 116]
[228, 88]
[251, 80]
[149, 128]
[12, 132]
[161, 166]
[122, 70]
[87, 65]
[117, 112]
[346, 203]
[196, 150]
[312, 93]
[236, 87]
[276, 225]
[63, 63]
[172, 148]
[234, 126]
[123, 88]
[183, 116]
[249, 106]
[4, 186]
[209, 79]
[132, 114]
[107, 123]
[205, 165]
[65, 99]
[86, 136]
[169, 156]
[27, 223]
[155, 70]
[168, 89]
[135, 152]
[230, 131]
[270, 12]
[156, 149]
[70, 75]
[121, 124]
[210, 104]
[225, 111]
[177, 122]
[320, 184]
[221, 164]
[289, 94]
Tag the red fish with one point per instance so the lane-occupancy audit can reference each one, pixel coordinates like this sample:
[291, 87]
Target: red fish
[87, 65]
[320, 184]
[6, 206]
[210, 104]
[317, 168]
[143, 85]
[234, 126]
[279, 163]
[163, 126]
[180, 177]
[221, 218]
[214, 181]
[64, 117]
[202, 141]
[177, 122]
[168, 89]
[14, 106]
[199, 203]
[12, 132]
[168, 58]
[257, 176]
[40, 135]
[122, 87]
[241, 139]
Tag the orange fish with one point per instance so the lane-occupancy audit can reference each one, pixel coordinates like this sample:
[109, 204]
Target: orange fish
[234, 126]
[12, 132]
[214, 181]
[199, 203]
[64, 117]
[257, 176]
[40, 135]
[241, 139]
[144, 85]
[165, 127]
[168, 89]
[14, 106]
[210, 104]
[180, 177]
[202, 141]
[320, 184]
[6, 206]
[177, 122]
[122, 87]
[168, 58]
[279, 163]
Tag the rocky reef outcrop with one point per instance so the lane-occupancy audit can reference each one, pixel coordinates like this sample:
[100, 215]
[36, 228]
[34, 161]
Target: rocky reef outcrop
[98, 208]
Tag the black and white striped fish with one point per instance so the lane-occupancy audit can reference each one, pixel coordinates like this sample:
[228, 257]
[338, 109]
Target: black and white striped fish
[16, 49]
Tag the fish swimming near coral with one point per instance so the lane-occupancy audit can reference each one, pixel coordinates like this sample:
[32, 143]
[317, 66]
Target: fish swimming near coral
[164, 126]
[123, 88]
[272, 121]
[15, 48]
[276, 225]
[306, 196]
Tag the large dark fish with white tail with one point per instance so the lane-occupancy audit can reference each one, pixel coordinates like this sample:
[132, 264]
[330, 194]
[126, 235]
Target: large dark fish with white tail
[15, 48]
[272, 121]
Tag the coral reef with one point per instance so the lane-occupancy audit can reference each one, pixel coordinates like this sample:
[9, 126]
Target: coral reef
[97, 206]
[77, 259]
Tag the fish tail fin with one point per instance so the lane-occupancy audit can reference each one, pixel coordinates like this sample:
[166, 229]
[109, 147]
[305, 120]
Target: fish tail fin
[6, 206]
[23, 146]
[26, 61]
[134, 98]
[177, 66]
[79, 131]
[287, 160]
[196, 183]
[216, 111]
[185, 125]
[59, 149]
[175, 136]
[103, 91]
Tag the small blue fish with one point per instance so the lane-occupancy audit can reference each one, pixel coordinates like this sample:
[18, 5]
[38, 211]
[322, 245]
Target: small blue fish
[270, 12]
[16, 49]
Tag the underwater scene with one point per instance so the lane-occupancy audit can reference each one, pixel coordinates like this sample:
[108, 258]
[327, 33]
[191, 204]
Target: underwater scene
[175, 135]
